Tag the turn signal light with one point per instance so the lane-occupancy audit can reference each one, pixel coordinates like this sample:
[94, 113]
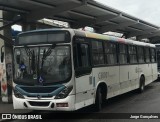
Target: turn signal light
[62, 104]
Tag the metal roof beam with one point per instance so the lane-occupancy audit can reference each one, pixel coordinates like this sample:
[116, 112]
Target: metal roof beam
[62, 19]
[85, 20]
[82, 15]
[13, 9]
[149, 34]
[120, 26]
[143, 34]
[42, 4]
[102, 7]
[91, 19]
[106, 18]
[109, 14]
[149, 26]
[39, 14]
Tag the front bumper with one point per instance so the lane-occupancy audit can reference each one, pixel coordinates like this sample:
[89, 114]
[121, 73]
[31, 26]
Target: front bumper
[52, 104]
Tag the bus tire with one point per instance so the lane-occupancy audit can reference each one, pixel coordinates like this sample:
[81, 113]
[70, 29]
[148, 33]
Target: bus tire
[99, 99]
[141, 84]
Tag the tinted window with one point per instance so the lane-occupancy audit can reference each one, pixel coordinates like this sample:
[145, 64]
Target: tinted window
[132, 54]
[147, 55]
[97, 51]
[141, 54]
[110, 53]
[153, 55]
[123, 54]
[82, 55]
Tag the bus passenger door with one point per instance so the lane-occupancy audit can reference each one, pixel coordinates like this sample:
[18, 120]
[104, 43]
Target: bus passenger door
[83, 74]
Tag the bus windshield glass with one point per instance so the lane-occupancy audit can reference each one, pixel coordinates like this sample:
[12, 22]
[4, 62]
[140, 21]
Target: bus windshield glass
[42, 65]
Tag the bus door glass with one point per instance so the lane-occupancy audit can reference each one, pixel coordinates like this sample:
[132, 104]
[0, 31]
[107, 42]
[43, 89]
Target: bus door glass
[83, 70]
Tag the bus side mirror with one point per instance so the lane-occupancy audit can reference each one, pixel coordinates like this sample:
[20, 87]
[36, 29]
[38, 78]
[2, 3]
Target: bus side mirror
[18, 59]
[2, 57]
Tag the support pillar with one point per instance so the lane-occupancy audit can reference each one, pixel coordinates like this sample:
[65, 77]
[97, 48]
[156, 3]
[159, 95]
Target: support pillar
[6, 65]
[3, 83]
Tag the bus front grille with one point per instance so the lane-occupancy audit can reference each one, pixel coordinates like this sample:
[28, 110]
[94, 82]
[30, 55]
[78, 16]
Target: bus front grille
[42, 104]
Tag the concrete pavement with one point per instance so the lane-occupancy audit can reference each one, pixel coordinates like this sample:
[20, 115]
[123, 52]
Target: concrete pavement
[8, 108]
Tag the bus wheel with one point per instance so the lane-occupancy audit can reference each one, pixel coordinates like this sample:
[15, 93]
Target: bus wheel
[141, 84]
[98, 101]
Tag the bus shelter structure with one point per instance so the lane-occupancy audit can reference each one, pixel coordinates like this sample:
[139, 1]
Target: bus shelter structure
[78, 13]
[81, 13]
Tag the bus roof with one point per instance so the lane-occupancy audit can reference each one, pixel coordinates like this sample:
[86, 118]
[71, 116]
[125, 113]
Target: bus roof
[111, 38]
[95, 36]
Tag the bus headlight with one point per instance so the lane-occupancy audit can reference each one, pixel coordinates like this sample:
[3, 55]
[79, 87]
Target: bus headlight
[64, 93]
[18, 94]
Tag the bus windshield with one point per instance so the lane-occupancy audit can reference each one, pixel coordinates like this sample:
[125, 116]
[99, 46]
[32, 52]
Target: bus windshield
[42, 65]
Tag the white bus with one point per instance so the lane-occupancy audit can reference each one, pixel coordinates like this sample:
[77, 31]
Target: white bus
[67, 69]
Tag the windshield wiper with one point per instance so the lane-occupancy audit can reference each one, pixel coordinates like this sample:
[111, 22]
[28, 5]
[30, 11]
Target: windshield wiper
[31, 54]
[46, 54]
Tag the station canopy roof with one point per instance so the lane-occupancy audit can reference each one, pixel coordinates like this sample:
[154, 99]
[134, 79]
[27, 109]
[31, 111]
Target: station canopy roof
[81, 13]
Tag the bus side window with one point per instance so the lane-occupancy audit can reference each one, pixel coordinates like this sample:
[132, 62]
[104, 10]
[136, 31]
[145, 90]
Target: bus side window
[98, 53]
[110, 53]
[153, 55]
[82, 61]
[141, 58]
[83, 55]
[133, 54]
[147, 55]
[123, 55]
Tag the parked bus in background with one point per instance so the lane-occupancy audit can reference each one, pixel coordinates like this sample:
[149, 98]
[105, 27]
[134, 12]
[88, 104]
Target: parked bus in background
[67, 69]
[158, 58]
